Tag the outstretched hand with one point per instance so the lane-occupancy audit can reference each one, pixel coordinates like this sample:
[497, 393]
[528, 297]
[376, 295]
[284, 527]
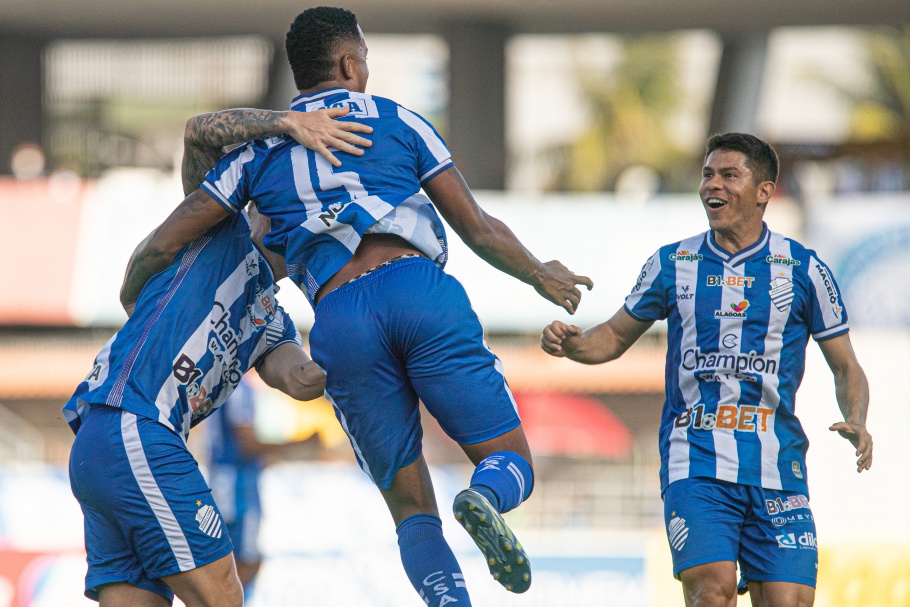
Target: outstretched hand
[319, 131]
[860, 438]
[558, 284]
[558, 338]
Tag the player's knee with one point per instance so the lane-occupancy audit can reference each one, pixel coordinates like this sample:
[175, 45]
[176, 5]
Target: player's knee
[709, 593]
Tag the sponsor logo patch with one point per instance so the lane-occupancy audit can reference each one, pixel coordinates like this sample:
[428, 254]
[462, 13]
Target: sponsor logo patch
[686, 256]
[787, 540]
[737, 310]
[743, 418]
[793, 502]
[782, 260]
[730, 281]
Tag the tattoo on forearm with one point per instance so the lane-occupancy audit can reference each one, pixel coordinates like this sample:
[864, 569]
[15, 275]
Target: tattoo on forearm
[207, 134]
[218, 129]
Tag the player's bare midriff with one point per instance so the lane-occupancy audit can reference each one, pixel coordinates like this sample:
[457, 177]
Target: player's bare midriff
[373, 250]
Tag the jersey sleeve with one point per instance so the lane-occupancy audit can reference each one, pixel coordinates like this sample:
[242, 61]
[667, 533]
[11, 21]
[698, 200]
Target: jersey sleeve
[280, 330]
[229, 181]
[826, 314]
[648, 300]
[433, 156]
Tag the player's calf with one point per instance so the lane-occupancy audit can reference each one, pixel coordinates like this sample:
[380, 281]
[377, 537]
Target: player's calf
[429, 562]
[500, 482]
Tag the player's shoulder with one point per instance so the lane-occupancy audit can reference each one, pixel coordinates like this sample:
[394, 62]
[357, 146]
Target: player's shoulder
[687, 249]
[794, 253]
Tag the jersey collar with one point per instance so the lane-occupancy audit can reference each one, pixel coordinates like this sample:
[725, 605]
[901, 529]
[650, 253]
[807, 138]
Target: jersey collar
[301, 100]
[740, 257]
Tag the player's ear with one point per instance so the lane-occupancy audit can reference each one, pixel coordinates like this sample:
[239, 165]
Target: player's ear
[765, 191]
[346, 67]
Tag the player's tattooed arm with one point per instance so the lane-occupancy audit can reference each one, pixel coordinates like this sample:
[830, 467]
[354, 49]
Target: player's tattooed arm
[493, 241]
[851, 389]
[190, 220]
[206, 136]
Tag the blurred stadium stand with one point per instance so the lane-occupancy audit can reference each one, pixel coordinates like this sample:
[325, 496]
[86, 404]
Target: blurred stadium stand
[69, 223]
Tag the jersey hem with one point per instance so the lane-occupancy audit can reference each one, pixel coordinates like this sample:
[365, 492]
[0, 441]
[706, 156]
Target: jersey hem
[638, 317]
[217, 197]
[831, 333]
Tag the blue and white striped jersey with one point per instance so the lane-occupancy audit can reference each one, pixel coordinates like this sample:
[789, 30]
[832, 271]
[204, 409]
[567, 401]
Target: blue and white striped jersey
[737, 330]
[196, 329]
[319, 213]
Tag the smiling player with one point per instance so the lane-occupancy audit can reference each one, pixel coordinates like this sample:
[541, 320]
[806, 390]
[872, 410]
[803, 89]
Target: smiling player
[740, 303]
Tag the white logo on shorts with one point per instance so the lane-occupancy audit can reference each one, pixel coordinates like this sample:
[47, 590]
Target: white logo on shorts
[677, 532]
[209, 521]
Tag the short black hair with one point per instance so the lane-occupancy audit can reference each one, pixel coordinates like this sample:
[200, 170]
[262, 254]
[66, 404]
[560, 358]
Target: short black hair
[760, 156]
[312, 41]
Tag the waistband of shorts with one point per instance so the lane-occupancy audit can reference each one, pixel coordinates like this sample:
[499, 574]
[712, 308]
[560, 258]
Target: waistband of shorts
[362, 280]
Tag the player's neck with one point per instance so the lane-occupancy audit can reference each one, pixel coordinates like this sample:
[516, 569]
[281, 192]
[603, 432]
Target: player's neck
[735, 240]
[324, 86]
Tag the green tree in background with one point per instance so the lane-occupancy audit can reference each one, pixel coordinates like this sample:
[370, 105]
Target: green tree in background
[880, 107]
[631, 107]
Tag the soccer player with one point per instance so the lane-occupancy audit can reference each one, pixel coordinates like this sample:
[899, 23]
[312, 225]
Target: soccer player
[390, 326]
[740, 302]
[152, 528]
[236, 460]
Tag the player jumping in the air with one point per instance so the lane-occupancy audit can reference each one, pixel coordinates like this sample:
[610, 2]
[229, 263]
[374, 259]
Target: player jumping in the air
[391, 327]
[741, 303]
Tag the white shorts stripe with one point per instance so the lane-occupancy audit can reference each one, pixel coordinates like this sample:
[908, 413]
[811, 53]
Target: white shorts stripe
[149, 487]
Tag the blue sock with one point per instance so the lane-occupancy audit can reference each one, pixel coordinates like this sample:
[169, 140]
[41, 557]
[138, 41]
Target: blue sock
[506, 477]
[429, 562]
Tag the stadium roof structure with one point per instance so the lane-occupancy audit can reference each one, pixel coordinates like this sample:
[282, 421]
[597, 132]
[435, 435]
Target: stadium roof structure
[164, 18]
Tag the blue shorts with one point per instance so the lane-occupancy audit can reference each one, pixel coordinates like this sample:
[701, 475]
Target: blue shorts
[401, 333]
[148, 511]
[770, 533]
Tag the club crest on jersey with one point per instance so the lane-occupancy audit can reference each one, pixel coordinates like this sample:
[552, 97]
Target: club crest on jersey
[781, 293]
[678, 532]
[209, 521]
[686, 256]
[737, 310]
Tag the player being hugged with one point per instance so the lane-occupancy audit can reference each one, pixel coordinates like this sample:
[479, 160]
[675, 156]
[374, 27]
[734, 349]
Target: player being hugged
[740, 303]
[391, 328]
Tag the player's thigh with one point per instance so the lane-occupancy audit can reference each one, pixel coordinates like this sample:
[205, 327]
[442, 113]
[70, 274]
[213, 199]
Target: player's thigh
[710, 585]
[453, 371]
[366, 380]
[212, 585]
[781, 594]
[779, 542]
[122, 594]
[704, 518]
